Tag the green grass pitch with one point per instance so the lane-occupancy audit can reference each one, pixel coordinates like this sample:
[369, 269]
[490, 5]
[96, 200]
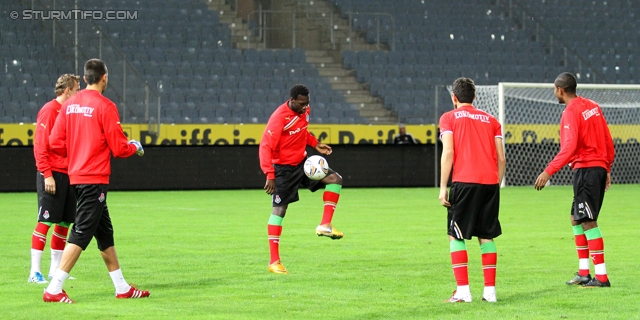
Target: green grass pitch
[204, 255]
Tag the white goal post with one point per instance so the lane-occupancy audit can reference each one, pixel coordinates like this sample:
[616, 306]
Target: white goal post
[530, 116]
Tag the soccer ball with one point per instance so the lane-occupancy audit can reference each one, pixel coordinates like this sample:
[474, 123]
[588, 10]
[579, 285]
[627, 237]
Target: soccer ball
[316, 167]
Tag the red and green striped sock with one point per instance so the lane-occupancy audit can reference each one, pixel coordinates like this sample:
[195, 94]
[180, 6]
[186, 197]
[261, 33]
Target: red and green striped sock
[582, 247]
[459, 261]
[489, 261]
[59, 237]
[39, 236]
[330, 197]
[596, 249]
[274, 230]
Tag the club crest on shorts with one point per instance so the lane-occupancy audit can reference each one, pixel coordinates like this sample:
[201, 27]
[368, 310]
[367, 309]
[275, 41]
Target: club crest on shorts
[46, 214]
[101, 199]
[276, 199]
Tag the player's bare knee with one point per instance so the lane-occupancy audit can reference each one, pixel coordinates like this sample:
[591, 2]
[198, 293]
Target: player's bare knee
[587, 225]
[334, 178]
[279, 211]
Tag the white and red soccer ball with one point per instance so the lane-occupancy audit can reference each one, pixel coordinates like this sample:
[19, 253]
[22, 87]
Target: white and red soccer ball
[316, 167]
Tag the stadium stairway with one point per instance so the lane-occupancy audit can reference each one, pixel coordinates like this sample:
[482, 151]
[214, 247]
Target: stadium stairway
[326, 58]
[344, 37]
[356, 93]
[241, 35]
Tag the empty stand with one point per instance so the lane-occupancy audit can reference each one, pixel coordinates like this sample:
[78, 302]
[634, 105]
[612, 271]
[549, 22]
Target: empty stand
[205, 79]
[436, 42]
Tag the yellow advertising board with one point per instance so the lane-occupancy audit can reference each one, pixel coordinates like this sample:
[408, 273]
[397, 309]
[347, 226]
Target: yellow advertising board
[236, 134]
[550, 133]
[250, 134]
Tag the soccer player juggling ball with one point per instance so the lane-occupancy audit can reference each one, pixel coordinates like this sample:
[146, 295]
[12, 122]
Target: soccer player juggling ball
[282, 156]
[472, 145]
[586, 144]
[56, 198]
[88, 132]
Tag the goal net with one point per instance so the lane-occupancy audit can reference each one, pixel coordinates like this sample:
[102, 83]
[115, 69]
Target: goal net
[530, 117]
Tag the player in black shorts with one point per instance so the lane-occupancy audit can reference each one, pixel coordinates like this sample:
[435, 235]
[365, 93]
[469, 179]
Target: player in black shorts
[472, 148]
[89, 133]
[474, 211]
[56, 198]
[282, 156]
[585, 144]
[289, 179]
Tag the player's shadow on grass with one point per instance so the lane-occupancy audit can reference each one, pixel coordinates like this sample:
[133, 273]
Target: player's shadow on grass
[553, 291]
[202, 282]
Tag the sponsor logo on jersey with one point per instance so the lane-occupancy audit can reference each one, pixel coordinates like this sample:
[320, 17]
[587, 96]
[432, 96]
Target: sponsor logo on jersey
[102, 197]
[46, 214]
[590, 113]
[307, 117]
[76, 108]
[292, 132]
[466, 114]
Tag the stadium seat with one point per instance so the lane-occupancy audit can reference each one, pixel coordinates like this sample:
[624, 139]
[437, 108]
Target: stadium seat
[7, 119]
[267, 56]
[298, 55]
[282, 55]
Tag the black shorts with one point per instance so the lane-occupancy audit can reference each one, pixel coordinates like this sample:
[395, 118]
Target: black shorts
[474, 211]
[92, 219]
[288, 180]
[588, 193]
[59, 207]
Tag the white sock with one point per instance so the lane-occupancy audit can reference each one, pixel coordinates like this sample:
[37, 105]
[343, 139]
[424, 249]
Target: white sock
[36, 256]
[118, 281]
[489, 291]
[56, 255]
[600, 269]
[55, 286]
[462, 291]
[583, 264]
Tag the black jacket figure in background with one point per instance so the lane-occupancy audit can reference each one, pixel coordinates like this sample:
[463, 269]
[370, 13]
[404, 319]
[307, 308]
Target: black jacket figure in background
[403, 137]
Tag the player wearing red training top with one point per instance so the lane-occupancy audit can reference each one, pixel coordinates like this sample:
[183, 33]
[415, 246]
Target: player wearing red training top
[282, 155]
[472, 145]
[56, 198]
[88, 132]
[586, 144]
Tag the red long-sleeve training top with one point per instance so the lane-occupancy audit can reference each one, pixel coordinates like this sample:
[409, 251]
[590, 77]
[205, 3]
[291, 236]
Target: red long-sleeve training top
[585, 139]
[285, 139]
[87, 132]
[46, 160]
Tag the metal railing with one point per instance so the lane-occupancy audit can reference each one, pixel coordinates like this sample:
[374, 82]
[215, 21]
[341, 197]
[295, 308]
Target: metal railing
[83, 39]
[232, 3]
[378, 15]
[261, 23]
